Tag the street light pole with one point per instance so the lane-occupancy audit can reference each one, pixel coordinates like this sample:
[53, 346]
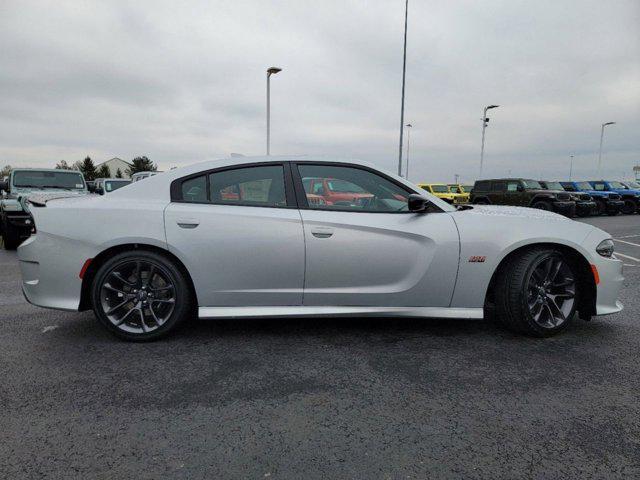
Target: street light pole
[485, 120]
[600, 154]
[408, 125]
[571, 167]
[270, 71]
[404, 69]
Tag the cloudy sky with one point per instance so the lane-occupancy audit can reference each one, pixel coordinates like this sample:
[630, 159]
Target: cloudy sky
[183, 82]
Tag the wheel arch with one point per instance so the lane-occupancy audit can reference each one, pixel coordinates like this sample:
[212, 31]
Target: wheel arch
[481, 198]
[104, 255]
[586, 281]
[541, 198]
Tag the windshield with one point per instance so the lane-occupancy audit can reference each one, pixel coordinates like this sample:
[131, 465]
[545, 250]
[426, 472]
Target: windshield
[617, 185]
[39, 179]
[343, 186]
[554, 186]
[111, 185]
[634, 185]
[439, 188]
[584, 186]
[531, 184]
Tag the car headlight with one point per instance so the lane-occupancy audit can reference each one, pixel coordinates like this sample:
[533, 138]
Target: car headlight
[12, 207]
[605, 248]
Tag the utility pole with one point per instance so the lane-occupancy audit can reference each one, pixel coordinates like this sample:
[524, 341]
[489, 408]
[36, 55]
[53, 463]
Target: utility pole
[404, 70]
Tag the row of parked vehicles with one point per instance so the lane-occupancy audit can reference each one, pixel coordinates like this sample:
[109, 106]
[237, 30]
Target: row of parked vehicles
[585, 198]
[16, 222]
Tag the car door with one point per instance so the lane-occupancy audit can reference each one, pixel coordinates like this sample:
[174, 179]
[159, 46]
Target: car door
[239, 233]
[513, 194]
[373, 252]
[496, 195]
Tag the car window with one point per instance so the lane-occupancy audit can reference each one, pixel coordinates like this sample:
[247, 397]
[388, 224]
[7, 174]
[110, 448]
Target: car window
[195, 189]
[251, 186]
[617, 185]
[599, 186]
[584, 186]
[439, 189]
[532, 185]
[568, 187]
[357, 190]
[512, 186]
[111, 185]
[497, 186]
[482, 186]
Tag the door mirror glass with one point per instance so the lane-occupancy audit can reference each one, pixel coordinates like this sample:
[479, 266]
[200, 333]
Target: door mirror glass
[520, 188]
[418, 203]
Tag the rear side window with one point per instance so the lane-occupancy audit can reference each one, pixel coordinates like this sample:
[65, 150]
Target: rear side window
[251, 186]
[481, 186]
[497, 186]
[195, 189]
[599, 186]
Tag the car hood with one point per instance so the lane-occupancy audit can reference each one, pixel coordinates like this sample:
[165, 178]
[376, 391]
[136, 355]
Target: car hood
[521, 212]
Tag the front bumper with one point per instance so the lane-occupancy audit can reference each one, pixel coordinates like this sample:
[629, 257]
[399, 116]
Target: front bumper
[567, 209]
[585, 208]
[611, 280]
[614, 206]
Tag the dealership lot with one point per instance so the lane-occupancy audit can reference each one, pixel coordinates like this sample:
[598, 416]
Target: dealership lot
[339, 398]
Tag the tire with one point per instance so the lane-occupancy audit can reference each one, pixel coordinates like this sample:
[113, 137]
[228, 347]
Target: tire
[583, 213]
[543, 205]
[519, 297]
[601, 207]
[136, 307]
[10, 237]
[629, 207]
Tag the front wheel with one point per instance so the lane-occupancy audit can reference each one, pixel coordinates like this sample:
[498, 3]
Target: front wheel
[542, 205]
[536, 293]
[629, 207]
[141, 295]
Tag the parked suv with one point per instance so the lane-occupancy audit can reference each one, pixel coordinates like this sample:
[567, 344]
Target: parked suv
[16, 222]
[443, 192]
[585, 205]
[107, 185]
[606, 202]
[631, 198]
[522, 193]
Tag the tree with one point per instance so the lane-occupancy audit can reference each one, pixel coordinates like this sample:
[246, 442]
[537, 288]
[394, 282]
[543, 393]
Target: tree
[103, 172]
[141, 164]
[87, 168]
[118, 173]
[63, 165]
[6, 170]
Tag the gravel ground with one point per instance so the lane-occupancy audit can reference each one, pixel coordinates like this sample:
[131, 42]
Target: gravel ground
[338, 398]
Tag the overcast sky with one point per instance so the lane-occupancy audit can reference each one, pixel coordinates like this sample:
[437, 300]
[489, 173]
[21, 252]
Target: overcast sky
[183, 82]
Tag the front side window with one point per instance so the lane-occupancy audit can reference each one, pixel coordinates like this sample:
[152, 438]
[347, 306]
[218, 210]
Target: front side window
[599, 186]
[252, 186]
[532, 185]
[512, 186]
[349, 188]
[617, 185]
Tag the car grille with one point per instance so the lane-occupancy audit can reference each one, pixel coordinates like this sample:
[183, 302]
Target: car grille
[564, 196]
[614, 196]
[584, 196]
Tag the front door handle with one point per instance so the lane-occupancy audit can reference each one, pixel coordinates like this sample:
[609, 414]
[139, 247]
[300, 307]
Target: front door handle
[321, 232]
[188, 223]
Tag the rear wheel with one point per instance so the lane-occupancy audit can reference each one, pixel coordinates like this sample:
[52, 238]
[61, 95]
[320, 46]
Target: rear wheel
[141, 295]
[536, 293]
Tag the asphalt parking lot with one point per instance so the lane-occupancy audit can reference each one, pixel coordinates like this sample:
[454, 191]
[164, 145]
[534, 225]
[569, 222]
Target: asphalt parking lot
[340, 398]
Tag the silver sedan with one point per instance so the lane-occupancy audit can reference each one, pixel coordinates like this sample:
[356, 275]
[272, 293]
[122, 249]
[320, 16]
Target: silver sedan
[278, 236]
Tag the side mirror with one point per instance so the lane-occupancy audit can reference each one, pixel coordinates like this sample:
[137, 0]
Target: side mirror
[4, 186]
[418, 203]
[520, 188]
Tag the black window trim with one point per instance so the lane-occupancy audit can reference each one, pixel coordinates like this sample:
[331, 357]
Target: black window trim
[176, 186]
[301, 196]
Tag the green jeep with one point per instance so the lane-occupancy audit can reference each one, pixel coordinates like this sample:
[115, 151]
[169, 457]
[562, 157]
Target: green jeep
[16, 223]
[521, 192]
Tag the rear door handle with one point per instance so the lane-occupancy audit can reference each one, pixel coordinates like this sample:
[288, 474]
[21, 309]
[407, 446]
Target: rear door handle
[188, 223]
[321, 232]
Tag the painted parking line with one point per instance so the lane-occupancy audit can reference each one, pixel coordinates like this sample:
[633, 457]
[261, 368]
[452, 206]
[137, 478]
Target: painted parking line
[625, 242]
[629, 257]
[630, 236]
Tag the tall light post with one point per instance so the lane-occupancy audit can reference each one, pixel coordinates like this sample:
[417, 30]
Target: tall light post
[408, 125]
[570, 167]
[485, 120]
[270, 71]
[404, 69]
[601, 137]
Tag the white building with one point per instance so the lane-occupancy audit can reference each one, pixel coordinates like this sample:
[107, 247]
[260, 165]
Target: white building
[114, 164]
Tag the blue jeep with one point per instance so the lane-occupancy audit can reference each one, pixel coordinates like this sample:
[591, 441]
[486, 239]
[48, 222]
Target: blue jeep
[631, 198]
[606, 202]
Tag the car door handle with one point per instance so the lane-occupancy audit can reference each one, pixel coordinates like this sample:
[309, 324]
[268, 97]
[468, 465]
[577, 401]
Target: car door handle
[187, 223]
[321, 232]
